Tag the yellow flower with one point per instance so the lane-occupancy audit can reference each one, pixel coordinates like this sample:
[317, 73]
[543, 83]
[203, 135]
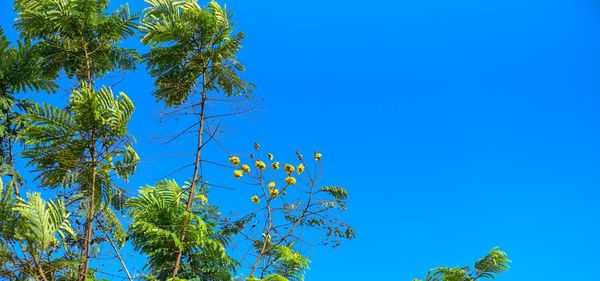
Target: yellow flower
[288, 168]
[270, 156]
[202, 198]
[300, 168]
[260, 165]
[255, 199]
[234, 160]
[238, 173]
[275, 165]
[318, 156]
[272, 185]
[246, 168]
[274, 192]
[290, 180]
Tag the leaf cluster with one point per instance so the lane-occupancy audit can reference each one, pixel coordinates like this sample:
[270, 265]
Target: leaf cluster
[192, 48]
[20, 71]
[159, 216]
[77, 36]
[37, 227]
[493, 264]
[91, 133]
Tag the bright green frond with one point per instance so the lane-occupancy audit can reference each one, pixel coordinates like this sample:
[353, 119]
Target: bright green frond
[45, 220]
[495, 262]
[158, 216]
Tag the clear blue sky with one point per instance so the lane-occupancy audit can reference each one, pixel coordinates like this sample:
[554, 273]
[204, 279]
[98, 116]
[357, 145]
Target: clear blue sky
[457, 126]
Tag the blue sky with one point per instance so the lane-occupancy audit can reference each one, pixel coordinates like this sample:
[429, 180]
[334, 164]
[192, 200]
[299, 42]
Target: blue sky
[457, 126]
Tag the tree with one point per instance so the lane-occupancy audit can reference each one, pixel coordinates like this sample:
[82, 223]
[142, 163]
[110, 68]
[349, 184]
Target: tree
[193, 51]
[35, 223]
[294, 207]
[488, 267]
[82, 148]
[79, 38]
[20, 70]
[7, 231]
[43, 221]
[159, 215]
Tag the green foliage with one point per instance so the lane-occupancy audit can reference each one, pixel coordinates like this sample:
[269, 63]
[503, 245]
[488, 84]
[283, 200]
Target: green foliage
[192, 51]
[336, 191]
[8, 221]
[284, 263]
[235, 227]
[192, 47]
[44, 219]
[84, 146]
[156, 213]
[20, 70]
[7, 230]
[288, 262]
[112, 224]
[33, 225]
[494, 263]
[82, 149]
[65, 145]
[272, 277]
[159, 215]
[77, 36]
[330, 199]
[490, 266]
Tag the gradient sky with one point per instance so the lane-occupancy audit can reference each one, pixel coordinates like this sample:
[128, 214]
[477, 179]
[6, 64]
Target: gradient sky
[457, 126]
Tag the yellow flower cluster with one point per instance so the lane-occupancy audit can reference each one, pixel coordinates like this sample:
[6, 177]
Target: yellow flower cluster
[318, 156]
[260, 165]
[288, 168]
[234, 160]
[300, 168]
[245, 168]
[290, 181]
[238, 173]
[272, 190]
[255, 199]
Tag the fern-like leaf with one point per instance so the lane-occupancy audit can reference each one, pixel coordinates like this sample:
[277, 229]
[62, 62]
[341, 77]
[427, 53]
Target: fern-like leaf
[336, 191]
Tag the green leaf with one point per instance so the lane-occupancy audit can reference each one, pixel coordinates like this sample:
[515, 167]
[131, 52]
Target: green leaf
[336, 191]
